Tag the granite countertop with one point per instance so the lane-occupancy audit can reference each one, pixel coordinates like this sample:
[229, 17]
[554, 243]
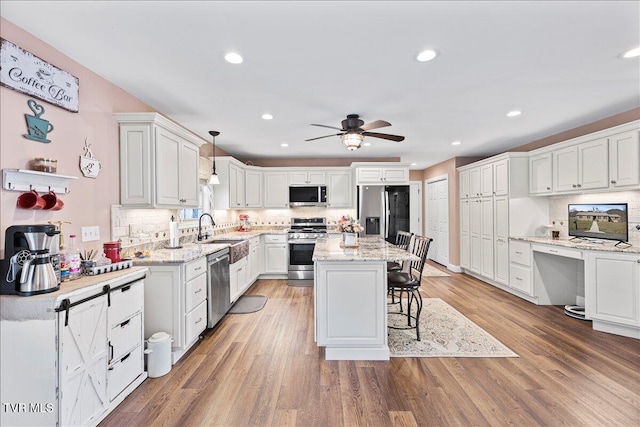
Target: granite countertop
[41, 306]
[370, 249]
[606, 245]
[191, 251]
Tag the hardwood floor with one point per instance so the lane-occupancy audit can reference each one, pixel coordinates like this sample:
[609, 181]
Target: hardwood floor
[264, 369]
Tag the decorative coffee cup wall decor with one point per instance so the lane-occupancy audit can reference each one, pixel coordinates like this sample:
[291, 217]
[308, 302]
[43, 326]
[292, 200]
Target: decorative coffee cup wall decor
[37, 127]
[89, 166]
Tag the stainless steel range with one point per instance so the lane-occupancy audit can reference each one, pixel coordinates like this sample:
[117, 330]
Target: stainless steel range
[302, 237]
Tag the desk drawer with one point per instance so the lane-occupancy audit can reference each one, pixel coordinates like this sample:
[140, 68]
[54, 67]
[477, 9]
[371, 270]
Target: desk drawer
[559, 251]
[520, 278]
[520, 252]
[195, 292]
[195, 268]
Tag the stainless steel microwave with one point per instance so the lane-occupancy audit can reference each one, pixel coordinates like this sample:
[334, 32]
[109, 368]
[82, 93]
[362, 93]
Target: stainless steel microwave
[308, 196]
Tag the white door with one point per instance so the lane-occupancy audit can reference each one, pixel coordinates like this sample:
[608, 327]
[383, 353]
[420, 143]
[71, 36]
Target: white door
[438, 219]
[415, 207]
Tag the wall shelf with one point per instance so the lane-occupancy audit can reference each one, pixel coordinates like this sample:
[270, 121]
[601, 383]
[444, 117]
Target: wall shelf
[42, 182]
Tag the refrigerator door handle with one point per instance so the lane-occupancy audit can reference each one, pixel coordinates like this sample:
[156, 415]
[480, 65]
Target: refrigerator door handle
[386, 214]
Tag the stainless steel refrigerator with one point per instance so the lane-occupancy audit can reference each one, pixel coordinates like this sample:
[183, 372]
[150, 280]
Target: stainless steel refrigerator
[383, 210]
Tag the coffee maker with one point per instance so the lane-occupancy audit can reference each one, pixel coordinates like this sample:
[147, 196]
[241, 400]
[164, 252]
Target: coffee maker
[27, 267]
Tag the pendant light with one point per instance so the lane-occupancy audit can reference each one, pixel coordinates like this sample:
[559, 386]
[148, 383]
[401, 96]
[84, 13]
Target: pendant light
[214, 179]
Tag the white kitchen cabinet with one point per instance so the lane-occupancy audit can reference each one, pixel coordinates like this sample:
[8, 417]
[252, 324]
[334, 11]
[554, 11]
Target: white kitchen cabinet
[501, 239]
[486, 233]
[389, 174]
[475, 187]
[59, 357]
[276, 254]
[253, 188]
[176, 161]
[465, 242]
[305, 177]
[255, 260]
[520, 274]
[612, 292]
[175, 299]
[581, 167]
[276, 189]
[339, 189]
[486, 180]
[83, 358]
[501, 178]
[236, 187]
[125, 334]
[465, 189]
[475, 237]
[624, 160]
[158, 162]
[237, 278]
[540, 174]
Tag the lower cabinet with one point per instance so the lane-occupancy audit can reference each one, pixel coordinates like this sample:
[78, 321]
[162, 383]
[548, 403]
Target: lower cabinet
[520, 267]
[255, 260]
[612, 292]
[237, 278]
[276, 254]
[175, 301]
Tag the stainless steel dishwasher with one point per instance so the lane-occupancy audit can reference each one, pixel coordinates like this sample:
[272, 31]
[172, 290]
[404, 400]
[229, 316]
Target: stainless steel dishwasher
[219, 288]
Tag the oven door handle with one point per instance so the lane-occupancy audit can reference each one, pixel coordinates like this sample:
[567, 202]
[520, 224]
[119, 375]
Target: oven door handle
[301, 241]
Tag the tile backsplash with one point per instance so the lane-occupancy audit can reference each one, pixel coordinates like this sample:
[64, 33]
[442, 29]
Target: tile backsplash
[559, 214]
[135, 227]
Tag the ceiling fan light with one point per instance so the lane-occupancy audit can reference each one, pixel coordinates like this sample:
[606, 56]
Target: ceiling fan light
[352, 141]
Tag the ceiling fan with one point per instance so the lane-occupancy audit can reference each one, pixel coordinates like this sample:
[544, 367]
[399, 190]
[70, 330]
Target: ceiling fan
[354, 130]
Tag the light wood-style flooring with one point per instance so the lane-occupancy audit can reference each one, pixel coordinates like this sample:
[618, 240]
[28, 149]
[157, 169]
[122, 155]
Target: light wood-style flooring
[264, 369]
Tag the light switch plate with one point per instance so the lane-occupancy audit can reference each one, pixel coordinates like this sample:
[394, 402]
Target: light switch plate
[90, 234]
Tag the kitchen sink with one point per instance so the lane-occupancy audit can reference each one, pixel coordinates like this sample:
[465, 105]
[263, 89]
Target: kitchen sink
[239, 248]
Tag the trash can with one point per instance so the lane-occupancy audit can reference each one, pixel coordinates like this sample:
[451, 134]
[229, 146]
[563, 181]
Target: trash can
[158, 354]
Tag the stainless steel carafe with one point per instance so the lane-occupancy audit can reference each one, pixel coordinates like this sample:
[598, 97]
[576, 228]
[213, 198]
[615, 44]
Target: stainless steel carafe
[38, 275]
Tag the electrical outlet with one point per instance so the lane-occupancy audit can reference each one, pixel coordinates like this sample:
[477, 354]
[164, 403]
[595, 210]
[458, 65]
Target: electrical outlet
[90, 234]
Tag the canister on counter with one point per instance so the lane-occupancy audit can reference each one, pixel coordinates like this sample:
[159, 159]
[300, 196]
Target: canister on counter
[112, 251]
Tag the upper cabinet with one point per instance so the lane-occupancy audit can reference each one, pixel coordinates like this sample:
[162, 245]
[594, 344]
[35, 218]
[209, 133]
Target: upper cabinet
[607, 160]
[624, 160]
[276, 189]
[379, 174]
[240, 185]
[158, 162]
[339, 189]
[304, 177]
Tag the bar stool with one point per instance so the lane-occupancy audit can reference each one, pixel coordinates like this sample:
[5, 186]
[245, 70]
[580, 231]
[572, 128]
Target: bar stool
[400, 282]
[403, 238]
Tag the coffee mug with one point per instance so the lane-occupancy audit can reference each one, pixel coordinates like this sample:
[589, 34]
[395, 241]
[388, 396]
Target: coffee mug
[555, 234]
[52, 201]
[31, 200]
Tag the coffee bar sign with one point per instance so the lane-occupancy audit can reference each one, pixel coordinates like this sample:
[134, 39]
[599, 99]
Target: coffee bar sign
[26, 73]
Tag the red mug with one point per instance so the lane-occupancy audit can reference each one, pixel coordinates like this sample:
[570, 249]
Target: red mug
[31, 200]
[52, 201]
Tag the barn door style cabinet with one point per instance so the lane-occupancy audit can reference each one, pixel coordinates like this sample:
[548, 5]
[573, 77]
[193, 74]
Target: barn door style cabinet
[159, 162]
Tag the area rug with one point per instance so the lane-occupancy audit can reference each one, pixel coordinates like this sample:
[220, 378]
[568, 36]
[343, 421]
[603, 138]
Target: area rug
[444, 332]
[433, 271]
[248, 304]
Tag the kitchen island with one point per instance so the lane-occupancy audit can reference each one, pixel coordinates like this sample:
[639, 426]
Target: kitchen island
[350, 297]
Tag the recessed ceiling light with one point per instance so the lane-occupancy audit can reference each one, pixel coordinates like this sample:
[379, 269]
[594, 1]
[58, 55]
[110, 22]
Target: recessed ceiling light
[426, 55]
[233, 58]
[414, 164]
[456, 143]
[514, 113]
[631, 53]
[284, 145]
[366, 144]
[267, 116]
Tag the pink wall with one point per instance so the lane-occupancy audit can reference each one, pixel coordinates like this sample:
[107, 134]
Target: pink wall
[89, 201]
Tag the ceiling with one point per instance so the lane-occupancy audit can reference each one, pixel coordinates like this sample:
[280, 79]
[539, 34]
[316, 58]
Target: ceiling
[315, 62]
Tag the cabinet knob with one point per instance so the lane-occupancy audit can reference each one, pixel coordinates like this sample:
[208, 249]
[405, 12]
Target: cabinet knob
[548, 188]
[574, 186]
[613, 181]
[579, 185]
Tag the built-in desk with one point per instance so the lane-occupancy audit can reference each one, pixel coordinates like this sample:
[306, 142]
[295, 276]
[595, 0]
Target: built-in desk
[350, 297]
[602, 277]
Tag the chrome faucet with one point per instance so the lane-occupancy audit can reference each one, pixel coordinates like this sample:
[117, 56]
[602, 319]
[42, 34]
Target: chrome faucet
[213, 223]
